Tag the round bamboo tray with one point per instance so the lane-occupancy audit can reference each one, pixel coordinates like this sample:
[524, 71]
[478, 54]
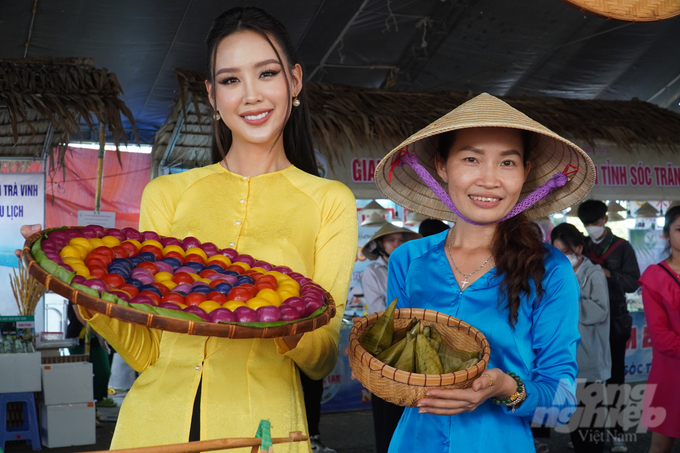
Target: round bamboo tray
[404, 388]
[629, 10]
[167, 323]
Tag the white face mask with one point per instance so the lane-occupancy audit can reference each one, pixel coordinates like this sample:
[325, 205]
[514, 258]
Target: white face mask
[595, 232]
[573, 259]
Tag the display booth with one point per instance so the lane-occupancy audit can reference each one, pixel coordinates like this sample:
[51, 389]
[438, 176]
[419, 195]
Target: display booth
[635, 147]
[43, 105]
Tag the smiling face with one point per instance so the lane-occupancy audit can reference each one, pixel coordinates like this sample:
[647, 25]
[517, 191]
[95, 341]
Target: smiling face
[485, 172]
[251, 92]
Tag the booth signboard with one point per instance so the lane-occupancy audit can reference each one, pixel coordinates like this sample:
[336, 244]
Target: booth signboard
[641, 174]
[13, 327]
[22, 202]
[636, 175]
[101, 218]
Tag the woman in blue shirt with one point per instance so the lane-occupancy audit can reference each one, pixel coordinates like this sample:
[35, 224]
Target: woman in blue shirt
[490, 270]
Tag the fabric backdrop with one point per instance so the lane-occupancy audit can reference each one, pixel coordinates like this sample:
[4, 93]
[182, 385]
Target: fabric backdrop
[121, 190]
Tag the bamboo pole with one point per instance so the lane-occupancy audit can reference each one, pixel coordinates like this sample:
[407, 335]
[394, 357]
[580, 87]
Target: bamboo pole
[100, 168]
[211, 445]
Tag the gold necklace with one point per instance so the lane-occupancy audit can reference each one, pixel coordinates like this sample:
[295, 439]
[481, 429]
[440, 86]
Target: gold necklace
[465, 282]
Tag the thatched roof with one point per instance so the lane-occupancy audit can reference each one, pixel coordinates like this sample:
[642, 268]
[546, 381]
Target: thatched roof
[348, 119]
[43, 101]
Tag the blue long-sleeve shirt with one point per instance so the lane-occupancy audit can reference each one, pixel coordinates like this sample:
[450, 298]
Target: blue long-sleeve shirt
[541, 348]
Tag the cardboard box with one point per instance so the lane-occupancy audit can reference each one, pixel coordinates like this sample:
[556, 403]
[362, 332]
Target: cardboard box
[67, 383]
[20, 373]
[67, 425]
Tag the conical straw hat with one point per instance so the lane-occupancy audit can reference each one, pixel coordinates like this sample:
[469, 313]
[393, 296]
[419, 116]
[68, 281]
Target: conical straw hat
[386, 229]
[550, 154]
[613, 206]
[374, 219]
[374, 206]
[646, 211]
[615, 216]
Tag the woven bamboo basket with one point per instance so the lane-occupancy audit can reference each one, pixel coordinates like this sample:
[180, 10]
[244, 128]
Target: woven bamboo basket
[404, 388]
[629, 10]
[168, 323]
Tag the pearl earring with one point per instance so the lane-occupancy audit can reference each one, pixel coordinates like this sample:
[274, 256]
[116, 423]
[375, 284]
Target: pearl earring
[216, 116]
[296, 102]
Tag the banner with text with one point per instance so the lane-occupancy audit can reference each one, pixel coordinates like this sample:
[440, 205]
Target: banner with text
[22, 202]
[638, 350]
[649, 246]
[637, 175]
[621, 175]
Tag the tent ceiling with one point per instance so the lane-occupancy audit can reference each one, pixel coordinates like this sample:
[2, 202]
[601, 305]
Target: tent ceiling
[510, 48]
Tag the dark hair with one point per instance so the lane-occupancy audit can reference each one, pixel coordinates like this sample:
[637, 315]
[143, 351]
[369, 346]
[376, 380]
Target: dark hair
[428, 227]
[671, 216]
[569, 235]
[516, 248]
[590, 211]
[297, 139]
[538, 230]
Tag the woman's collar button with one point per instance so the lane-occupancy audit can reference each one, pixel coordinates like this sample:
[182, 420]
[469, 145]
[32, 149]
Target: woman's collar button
[245, 178]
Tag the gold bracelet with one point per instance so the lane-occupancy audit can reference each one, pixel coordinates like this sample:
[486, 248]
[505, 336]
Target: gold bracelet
[514, 396]
[517, 401]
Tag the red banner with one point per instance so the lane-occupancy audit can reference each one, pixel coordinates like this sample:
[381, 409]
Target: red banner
[121, 189]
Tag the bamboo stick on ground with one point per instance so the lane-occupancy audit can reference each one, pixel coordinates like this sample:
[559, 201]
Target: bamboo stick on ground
[211, 445]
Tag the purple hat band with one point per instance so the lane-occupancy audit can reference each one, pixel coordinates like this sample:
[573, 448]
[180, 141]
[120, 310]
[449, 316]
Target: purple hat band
[557, 180]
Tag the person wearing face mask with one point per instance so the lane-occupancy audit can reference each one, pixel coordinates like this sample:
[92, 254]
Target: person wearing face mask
[374, 284]
[614, 254]
[593, 355]
[618, 261]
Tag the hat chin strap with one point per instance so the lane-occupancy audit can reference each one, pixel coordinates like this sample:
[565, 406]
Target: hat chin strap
[557, 180]
[380, 251]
